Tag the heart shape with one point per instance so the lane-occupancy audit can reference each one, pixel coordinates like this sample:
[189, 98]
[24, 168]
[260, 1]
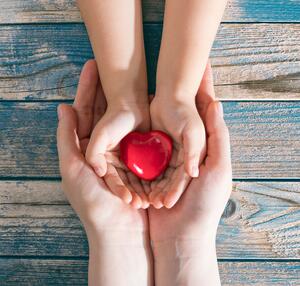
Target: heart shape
[147, 155]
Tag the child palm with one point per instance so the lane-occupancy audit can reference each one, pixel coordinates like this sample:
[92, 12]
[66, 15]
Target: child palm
[183, 123]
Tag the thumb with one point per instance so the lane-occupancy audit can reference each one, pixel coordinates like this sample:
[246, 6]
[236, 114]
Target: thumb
[194, 148]
[67, 140]
[106, 136]
[218, 141]
[95, 151]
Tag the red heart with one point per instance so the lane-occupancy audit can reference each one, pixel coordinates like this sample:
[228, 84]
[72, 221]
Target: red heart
[146, 154]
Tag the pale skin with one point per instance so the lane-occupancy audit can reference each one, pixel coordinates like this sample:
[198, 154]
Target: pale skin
[115, 31]
[183, 238]
[106, 219]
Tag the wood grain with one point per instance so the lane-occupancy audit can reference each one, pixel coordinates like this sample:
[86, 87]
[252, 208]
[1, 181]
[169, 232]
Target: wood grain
[257, 61]
[261, 221]
[74, 272]
[49, 11]
[264, 139]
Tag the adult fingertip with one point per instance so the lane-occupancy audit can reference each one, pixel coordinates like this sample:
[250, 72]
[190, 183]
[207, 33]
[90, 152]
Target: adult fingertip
[59, 112]
[220, 109]
[62, 109]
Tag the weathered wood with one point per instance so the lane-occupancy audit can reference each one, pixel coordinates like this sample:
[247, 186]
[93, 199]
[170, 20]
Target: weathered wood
[32, 11]
[261, 221]
[264, 139]
[74, 272]
[257, 61]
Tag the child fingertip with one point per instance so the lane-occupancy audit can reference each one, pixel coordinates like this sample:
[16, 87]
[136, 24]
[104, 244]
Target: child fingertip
[127, 198]
[168, 203]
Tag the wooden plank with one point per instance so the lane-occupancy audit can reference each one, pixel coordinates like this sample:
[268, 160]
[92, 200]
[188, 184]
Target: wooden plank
[74, 272]
[257, 61]
[261, 221]
[49, 11]
[264, 139]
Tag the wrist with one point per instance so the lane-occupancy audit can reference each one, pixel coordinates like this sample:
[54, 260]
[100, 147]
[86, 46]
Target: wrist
[139, 111]
[179, 93]
[128, 99]
[181, 248]
[110, 238]
[106, 250]
[189, 262]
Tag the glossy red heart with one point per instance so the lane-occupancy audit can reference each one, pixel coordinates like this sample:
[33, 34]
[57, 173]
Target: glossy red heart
[146, 154]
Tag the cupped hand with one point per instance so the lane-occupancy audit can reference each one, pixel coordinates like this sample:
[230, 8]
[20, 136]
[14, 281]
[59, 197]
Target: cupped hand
[102, 144]
[198, 211]
[182, 122]
[98, 209]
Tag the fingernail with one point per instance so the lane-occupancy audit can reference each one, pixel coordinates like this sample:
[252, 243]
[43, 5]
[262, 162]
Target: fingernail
[195, 172]
[220, 109]
[59, 112]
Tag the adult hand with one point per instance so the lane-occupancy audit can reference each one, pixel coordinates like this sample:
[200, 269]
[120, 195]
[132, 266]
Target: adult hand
[189, 228]
[111, 225]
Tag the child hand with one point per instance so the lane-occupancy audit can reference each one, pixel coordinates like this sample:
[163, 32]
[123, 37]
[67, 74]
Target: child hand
[183, 123]
[102, 149]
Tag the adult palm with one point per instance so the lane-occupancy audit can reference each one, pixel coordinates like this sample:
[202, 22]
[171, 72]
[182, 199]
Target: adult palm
[97, 207]
[199, 209]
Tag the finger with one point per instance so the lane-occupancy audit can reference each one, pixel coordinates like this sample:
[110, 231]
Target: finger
[176, 189]
[146, 187]
[113, 158]
[85, 97]
[83, 145]
[106, 136]
[194, 148]
[116, 185]
[136, 201]
[158, 201]
[67, 140]
[156, 197]
[95, 152]
[157, 194]
[99, 105]
[218, 147]
[206, 92]
[138, 188]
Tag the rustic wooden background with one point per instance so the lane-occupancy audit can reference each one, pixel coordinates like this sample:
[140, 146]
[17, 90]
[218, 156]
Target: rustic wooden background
[256, 63]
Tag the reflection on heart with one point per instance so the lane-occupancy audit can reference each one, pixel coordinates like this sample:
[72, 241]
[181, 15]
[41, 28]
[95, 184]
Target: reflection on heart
[147, 155]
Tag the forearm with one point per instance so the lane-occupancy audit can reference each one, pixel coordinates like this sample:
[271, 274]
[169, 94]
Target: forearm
[189, 31]
[186, 263]
[116, 34]
[119, 262]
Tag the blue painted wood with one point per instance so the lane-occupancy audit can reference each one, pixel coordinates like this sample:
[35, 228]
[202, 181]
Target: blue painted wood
[246, 62]
[29, 11]
[74, 272]
[261, 221]
[264, 139]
